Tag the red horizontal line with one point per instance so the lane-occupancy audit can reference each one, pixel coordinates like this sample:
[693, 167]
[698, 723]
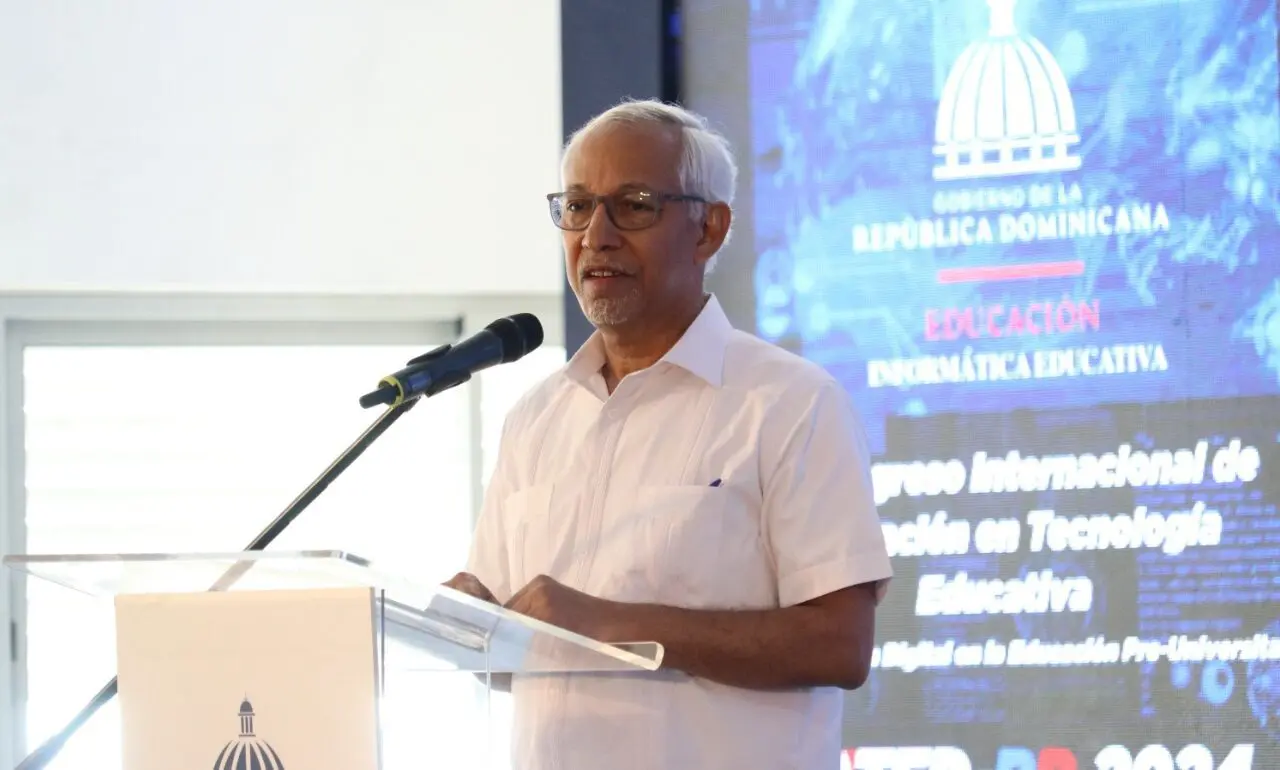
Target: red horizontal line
[1022, 272]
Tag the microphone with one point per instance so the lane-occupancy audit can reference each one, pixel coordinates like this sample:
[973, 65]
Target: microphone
[501, 342]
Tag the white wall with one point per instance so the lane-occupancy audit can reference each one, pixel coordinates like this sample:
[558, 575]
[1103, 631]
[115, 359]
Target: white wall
[366, 146]
[169, 162]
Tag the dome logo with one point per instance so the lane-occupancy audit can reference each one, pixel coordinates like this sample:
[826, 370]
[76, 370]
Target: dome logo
[248, 752]
[1005, 108]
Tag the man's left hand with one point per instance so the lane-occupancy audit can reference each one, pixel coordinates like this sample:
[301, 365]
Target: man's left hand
[552, 602]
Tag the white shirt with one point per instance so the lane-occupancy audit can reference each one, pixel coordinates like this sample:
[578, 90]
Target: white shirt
[613, 495]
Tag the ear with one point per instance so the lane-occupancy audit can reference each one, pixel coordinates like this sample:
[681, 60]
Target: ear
[715, 228]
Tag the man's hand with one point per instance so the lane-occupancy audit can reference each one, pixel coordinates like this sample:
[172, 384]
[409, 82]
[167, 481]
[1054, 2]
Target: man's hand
[555, 603]
[470, 585]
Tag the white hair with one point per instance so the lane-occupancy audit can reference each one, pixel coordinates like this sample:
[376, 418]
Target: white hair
[707, 168]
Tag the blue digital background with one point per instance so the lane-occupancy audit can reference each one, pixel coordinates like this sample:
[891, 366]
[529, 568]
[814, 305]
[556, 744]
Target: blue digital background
[1176, 110]
[1176, 107]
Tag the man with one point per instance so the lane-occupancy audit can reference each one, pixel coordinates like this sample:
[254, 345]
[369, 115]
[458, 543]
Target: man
[682, 482]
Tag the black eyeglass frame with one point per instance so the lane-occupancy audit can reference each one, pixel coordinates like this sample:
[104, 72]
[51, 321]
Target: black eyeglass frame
[660, 199]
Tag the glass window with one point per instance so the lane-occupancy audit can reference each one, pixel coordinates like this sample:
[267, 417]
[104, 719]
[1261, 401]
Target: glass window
[197, 448]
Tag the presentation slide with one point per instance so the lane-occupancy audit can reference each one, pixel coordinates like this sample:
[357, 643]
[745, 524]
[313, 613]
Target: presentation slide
[1038, 241]
[983, 205]
[1082, 583]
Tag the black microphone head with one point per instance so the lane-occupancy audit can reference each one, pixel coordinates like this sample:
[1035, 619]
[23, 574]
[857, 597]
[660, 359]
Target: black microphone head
[520, 334]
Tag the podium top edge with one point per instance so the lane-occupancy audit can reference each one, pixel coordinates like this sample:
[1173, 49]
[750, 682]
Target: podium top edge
[325, 555]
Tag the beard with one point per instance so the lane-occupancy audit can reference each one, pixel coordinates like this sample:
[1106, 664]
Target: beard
[611, 311]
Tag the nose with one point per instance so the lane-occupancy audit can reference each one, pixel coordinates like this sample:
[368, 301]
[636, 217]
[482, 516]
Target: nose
[601, 234]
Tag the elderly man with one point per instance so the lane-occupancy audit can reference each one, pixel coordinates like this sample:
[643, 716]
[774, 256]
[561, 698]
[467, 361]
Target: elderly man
[682, 482]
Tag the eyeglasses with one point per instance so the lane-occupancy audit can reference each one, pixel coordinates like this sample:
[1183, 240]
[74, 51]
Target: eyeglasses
[633, 209]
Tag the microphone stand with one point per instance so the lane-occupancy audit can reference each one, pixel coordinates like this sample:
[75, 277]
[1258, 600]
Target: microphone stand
[42, 756]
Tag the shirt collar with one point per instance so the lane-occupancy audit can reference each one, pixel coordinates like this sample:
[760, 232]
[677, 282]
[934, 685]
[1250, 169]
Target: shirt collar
[700, 351]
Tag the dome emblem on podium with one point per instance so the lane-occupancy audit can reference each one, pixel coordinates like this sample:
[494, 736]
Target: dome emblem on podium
[248, 752]
[1005, 107]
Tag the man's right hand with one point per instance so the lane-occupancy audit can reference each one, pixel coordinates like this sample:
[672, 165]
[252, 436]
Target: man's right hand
[470, 585]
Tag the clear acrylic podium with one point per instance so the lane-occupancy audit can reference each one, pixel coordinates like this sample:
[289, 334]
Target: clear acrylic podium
[442, 652]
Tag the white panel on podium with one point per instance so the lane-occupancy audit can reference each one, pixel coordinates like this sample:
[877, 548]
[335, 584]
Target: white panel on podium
[286, 678]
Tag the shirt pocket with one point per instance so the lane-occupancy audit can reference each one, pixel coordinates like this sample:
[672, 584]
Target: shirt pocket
[531, 542]
[687, 537]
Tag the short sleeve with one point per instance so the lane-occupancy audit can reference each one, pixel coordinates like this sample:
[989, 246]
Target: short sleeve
[819, 511]
[487, 558]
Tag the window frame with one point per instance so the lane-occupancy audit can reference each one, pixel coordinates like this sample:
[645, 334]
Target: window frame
[134, 319]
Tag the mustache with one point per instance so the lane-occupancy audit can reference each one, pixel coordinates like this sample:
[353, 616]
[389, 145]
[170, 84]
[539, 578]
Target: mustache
[615, 267]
